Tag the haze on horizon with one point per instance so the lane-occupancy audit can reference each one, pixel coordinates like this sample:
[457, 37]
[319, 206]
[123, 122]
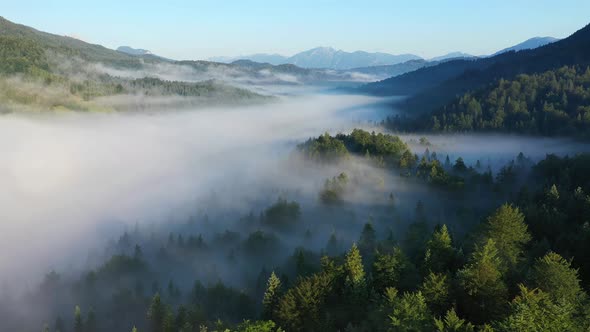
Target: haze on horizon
[200, 30]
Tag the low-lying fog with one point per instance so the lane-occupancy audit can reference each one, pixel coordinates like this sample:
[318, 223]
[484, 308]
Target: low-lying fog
[70, 182]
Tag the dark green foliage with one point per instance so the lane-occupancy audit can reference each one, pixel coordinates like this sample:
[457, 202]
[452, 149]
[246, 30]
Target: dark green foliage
[409, 312]
[433, 172]
[20, 55]
[389, 147]
[156, 313]
[258, 326]
[554, 275]
[261, 243]
[452, 323]
[392, 270]
[436, 289]
[223, 302]
[334, 189]
[383, 148]
[535, 310]
[302, 307]
[551, 103]
[509, 232]
[121, 265]
[368, 241]
[483, 290]
[156, 87]
[282, 214]
[324, 149]
[440, 255]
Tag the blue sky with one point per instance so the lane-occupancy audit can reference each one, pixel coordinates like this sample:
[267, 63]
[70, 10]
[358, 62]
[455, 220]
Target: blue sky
[201, 29]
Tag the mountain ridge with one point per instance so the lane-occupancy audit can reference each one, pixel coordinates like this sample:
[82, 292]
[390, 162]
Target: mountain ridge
[439, 84]
[326, 58]
[528, 44]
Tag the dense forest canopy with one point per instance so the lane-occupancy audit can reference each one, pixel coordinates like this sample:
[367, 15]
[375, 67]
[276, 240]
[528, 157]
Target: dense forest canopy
[518, 261]
[552, 103]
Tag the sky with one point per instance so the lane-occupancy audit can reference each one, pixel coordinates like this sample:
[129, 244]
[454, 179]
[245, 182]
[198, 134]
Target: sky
[199, 29]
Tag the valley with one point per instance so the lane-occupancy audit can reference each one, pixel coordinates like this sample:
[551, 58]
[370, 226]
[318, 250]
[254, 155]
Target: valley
[324, 191]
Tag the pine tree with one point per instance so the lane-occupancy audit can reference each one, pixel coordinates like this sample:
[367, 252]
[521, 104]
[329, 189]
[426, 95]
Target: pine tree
[168, 325]
[368, 239]
[156, 313]
[484, 292]
[332, 248]
[410, 313]
[271, 296]
[355, 273]
[90, 325]
[436, 290]
[554, 275]
[440, 255]
[553, 194]
[533, 310]
[447, 162]
[452, 323]
[509, 232]
[391, 270]
[78, 323]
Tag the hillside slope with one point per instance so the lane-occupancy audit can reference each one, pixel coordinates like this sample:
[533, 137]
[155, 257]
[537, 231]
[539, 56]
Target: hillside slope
[40, 71]
[432, 87]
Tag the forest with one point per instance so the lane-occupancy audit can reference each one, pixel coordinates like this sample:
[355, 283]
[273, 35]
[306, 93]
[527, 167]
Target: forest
[552, 103]
[515, 262]
[40, 73]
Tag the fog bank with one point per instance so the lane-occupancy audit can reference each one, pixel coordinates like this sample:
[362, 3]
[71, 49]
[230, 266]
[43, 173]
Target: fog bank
[69, 181]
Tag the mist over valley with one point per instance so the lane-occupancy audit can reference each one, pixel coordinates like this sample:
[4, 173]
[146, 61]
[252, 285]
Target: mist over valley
[329, 190]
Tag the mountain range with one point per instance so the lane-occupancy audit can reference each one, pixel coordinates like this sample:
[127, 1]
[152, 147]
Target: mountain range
[25, 50]
[330, 58]
[326, 57]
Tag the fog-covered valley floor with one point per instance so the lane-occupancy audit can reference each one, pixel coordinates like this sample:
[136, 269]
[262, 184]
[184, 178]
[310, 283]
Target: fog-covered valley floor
[72, 182]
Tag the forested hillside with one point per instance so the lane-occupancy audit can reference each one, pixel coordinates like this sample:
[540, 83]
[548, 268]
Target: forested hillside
[515, 262]
[68, 46]
[45, 72]
[432, 87]
[552, 103]
[556, 102]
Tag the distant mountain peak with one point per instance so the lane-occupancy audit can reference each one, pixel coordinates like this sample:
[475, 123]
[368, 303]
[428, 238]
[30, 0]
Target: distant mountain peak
[324, 48]
[452, 55]
[133, 51]
[529, 44]
[327, 57]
